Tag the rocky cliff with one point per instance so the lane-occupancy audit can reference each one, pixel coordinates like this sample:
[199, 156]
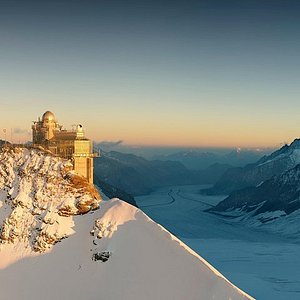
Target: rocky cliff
[38, 194]
[252, 175]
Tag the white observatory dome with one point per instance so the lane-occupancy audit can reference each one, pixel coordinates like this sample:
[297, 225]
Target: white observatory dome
[79, 128]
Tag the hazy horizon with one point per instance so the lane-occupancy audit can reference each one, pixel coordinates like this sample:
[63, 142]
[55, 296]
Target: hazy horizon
[221, 74]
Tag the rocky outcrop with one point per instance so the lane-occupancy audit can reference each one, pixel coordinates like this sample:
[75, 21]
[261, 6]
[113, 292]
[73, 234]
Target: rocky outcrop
[254, 174]
[113, 192]
[39, 194]
[280, 193]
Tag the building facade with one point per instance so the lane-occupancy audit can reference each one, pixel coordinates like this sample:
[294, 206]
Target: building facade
[69, 144]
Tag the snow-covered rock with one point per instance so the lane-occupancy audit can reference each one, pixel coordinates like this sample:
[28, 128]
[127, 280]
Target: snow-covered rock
[116, 252]
[254, 174]
[38, 194]
[274, 204]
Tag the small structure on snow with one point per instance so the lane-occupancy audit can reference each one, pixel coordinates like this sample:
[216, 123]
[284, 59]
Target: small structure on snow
[70, 144]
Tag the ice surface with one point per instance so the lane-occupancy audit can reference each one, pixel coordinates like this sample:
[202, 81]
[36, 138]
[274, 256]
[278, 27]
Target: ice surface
[260, 260]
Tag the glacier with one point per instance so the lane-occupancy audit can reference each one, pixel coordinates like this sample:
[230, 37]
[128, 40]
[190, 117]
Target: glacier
[262, 260]
[59, 241]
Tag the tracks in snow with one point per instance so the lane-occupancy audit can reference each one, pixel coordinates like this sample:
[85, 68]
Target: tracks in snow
[173, 199]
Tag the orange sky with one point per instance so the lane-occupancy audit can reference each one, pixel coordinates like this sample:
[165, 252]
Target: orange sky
[176, 76]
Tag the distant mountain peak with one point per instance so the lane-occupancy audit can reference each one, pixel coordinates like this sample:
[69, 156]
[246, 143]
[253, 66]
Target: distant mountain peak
[281, 160]
[295, 144]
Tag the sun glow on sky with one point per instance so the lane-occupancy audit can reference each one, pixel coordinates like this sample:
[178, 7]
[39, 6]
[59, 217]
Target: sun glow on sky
[156, 73]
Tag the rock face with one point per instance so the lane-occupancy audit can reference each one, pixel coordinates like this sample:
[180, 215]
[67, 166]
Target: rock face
[38, 195]
[273, 205]
[113, 192]
[254, 174]
[136, 175]
[278, 193]
[119, 174]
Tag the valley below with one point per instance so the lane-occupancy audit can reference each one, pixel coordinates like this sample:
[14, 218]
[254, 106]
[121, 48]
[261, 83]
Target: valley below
[262, 263]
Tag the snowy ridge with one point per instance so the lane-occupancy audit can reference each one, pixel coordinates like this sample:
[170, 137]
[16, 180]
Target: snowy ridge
[293, 155]
[144, 261]
[253, 175]
[118, 213]
[273, 205]
[38, 196]
[290, 152]
[115, 252]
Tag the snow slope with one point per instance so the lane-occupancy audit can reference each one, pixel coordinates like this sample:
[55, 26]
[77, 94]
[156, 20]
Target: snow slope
[57, 244]
[263, 263]
[146, 262]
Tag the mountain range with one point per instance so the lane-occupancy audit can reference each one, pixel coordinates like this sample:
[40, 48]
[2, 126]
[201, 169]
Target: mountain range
[136, 175]
[195, 159]
[60, 241]
[267, 193]
[276, 163]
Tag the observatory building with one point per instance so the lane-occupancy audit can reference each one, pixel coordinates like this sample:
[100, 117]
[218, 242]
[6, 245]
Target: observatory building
[70, 144]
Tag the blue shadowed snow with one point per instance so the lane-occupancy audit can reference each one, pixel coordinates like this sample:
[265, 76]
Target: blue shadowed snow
[263, 264]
